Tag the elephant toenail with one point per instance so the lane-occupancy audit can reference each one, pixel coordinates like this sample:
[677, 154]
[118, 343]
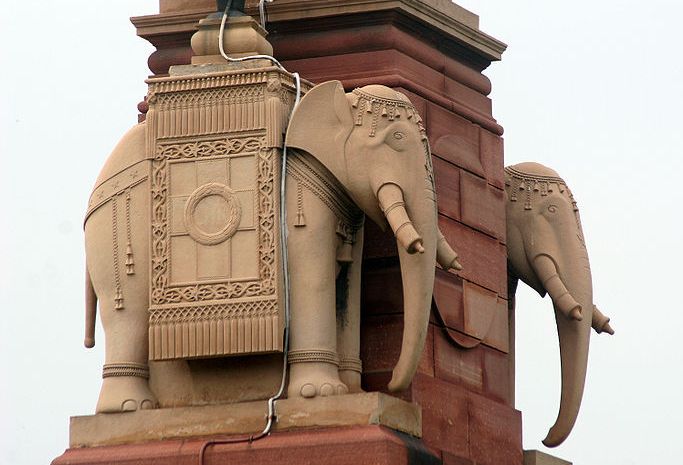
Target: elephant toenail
[308, 390]
[146, 405]
[342, 389]
[129, 405]
[327, 390]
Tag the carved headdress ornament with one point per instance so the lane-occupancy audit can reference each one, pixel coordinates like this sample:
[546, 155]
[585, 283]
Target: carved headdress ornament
[518, 182]
[390, 104]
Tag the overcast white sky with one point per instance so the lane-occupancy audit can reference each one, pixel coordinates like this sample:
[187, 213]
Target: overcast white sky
[591, 88]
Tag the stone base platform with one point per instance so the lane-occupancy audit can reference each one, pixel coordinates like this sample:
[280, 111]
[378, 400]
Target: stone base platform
[354, 445]
[372, 408]
[535, 457]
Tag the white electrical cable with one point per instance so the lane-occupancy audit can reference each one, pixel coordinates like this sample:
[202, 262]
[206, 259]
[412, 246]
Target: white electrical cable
[283, 208]
[252, 57]
[262, 11]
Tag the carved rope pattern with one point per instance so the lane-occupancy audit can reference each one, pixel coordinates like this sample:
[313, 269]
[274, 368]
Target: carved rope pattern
[517, 181]
[174, 84]
[118, 297]
[246, 94]
[137, 370]
[351, 364]
[130, 261]
[309, 356]
[115, 185]
[375, 106]
[328, 189]
[256, 309]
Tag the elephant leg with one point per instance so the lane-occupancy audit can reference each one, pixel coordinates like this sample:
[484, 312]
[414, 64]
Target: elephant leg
[125, 383]
[312, 243]
[117, 253]
[348, 319]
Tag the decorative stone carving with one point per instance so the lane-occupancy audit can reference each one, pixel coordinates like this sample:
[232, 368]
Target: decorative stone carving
[547, 251]
[202, 215]
[214, 143]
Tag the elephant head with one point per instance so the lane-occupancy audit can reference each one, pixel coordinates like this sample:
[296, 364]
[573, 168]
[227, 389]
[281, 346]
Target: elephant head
[546, 250]
[372, 140]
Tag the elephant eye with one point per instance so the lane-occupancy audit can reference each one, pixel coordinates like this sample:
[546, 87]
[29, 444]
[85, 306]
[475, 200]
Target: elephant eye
[552, 208]
[398, 135]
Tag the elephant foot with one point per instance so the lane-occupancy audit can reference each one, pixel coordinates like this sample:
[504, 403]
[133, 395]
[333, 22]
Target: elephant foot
[351, 379]
[125, 394]
[315, 379]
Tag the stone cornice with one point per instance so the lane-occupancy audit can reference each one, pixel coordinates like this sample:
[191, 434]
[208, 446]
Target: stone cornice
[165, 24]
[442, 16]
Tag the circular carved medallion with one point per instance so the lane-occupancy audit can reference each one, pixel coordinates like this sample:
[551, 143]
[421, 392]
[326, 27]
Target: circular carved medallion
[212, 213]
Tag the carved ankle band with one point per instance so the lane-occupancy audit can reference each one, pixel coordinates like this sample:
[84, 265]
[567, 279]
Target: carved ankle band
[308, 356]
[350, 364]
[138, 370]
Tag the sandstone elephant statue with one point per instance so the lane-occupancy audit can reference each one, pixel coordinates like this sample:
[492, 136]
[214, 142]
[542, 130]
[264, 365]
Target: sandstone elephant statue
[547, 251]
[352, 155]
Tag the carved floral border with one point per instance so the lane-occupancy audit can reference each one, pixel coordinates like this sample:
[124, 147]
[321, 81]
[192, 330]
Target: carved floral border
[161, 292]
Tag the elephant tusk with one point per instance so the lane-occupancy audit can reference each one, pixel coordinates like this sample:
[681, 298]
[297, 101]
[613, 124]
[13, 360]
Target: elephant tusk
[445, 255]
[600, 322]
[390, 197]
[547, 272]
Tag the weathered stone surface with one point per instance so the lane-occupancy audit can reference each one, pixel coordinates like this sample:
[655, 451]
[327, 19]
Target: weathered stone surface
[245, 418]
[495, 433]
[482, 206]
[491, 155]
[447, 177]
[358, 445]
[445, 415]
[381, 345]
[535, 457]
[484, 259]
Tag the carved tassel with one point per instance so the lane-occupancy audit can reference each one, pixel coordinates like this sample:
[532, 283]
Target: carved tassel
[300, 218]
[130, 265]
[345, 253]
[118, 300]
[130, 262]
[544, 189]
[359, 116]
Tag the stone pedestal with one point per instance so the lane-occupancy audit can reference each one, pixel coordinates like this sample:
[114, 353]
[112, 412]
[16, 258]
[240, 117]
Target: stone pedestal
[356, 445]
[535, 457]
[247, 418]
[351, 429]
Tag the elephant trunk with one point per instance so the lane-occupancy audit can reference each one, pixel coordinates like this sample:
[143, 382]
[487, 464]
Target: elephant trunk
[574, 336]
[414, 233]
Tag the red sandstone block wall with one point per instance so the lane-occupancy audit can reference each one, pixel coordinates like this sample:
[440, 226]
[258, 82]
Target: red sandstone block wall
[465, 378]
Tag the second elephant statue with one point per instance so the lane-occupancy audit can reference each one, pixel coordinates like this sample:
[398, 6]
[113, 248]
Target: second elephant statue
[547, 251]
[352, 155]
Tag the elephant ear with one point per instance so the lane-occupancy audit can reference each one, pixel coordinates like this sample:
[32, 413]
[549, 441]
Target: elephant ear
[321, 124]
